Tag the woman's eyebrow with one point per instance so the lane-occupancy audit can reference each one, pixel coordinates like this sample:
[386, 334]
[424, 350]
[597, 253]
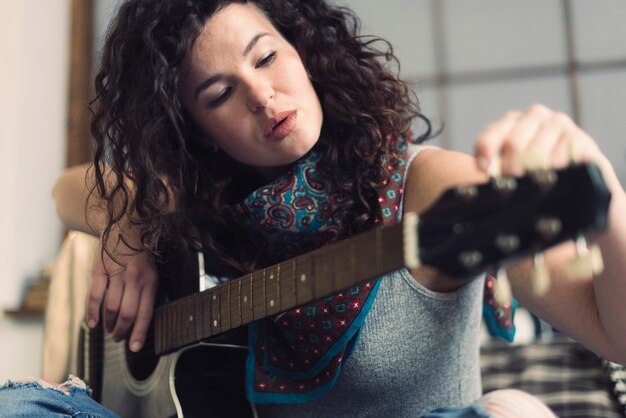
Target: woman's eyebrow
[205, 85]
[254, 41]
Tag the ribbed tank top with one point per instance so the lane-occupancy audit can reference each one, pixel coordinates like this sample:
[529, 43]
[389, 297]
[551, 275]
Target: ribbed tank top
[418, 350]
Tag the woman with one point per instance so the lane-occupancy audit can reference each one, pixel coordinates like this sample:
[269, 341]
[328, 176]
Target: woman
[261, 130]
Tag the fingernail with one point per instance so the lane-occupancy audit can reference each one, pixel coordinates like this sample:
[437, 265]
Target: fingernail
[92, 323]
[483, 163]
[135, 346]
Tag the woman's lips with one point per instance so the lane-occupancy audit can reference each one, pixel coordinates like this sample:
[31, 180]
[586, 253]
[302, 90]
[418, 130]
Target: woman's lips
[281, 125]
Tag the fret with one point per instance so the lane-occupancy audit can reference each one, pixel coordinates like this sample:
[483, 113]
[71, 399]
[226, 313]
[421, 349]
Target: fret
[234, 303]
[271, 298]
[258, 295]
[187, 318]
[201, 320]
[246, 299]
[223, 295]
[294, 276]
[287, 286]
[393, 253]
[303, 279]
[216, 318]
[177, 322]
[324, 267]
[229, 321]
[194, 318]
[208, 300]
[239, 286]
[365, 259]
[172, 325]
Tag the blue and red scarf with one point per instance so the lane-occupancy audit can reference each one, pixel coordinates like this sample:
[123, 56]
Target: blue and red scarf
[297, 356]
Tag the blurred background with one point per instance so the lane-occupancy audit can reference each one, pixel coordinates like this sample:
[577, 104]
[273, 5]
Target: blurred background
[469, 62]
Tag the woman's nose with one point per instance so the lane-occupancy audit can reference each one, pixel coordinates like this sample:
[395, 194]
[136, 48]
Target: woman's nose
[260, 94]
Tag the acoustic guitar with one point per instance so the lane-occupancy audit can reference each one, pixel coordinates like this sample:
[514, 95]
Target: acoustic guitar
[193, 364]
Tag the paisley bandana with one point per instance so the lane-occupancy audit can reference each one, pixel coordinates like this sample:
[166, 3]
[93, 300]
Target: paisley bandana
[296, 356]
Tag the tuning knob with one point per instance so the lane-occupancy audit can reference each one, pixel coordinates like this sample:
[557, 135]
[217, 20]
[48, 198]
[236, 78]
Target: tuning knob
[507, 243]
[540, 276]
[502, 289]
[544, 178]
[468, 192]
[548, 227]
[504, 185]
[588, 261]
[534, 161]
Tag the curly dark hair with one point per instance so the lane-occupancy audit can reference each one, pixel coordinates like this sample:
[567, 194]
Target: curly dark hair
[149, 172]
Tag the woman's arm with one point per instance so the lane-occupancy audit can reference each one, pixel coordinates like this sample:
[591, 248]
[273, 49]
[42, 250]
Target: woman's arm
[125, 285]
[71, 195]
[590, 309]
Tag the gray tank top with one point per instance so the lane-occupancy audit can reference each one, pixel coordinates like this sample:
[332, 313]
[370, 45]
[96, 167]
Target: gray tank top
[418, 350]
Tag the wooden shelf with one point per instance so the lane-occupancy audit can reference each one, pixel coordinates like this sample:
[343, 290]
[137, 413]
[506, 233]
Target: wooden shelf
[22, 313]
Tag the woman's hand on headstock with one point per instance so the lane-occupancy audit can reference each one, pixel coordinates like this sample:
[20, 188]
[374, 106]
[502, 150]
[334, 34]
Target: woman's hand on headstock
[538, 138]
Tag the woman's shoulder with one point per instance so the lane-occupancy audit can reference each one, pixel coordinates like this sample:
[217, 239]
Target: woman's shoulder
[434, 170]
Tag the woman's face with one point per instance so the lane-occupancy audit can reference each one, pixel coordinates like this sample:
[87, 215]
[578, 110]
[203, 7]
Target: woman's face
[248, 91]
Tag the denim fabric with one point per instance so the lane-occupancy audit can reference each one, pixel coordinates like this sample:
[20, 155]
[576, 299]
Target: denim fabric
[36, 399]
[475, 410]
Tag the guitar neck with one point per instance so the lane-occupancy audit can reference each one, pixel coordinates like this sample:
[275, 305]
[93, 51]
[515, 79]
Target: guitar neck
[283, 286]
[469, 229]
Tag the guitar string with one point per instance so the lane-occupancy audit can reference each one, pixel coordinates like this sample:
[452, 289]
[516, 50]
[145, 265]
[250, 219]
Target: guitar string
[324, 258]
[148, 348]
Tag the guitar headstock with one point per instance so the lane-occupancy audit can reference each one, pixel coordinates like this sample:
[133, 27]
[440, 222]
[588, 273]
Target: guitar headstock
[474, 228]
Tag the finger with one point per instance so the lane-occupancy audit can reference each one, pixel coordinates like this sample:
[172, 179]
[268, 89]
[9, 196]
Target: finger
[515, 144]
[99, 283]
[540, 153]
[489, 142]
[113, 300]
[144, 318]
[127, 310]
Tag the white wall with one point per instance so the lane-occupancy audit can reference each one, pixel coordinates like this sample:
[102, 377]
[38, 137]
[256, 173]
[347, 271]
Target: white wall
[34, 40]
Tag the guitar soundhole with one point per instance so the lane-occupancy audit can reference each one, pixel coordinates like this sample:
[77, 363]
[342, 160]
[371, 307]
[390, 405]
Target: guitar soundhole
[141, 364]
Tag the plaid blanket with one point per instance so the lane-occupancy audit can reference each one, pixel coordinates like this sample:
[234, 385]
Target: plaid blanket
[570, 379]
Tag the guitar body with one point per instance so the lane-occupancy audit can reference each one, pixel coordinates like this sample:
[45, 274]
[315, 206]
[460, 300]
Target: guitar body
[202, 380]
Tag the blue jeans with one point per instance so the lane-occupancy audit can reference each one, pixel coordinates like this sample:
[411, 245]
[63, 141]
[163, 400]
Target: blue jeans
[34, 399]
[474, 410]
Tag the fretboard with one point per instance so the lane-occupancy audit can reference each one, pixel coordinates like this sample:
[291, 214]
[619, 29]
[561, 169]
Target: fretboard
[278, 288]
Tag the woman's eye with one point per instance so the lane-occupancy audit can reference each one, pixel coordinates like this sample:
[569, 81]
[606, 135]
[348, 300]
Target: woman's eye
[266, 60]
[221, 98]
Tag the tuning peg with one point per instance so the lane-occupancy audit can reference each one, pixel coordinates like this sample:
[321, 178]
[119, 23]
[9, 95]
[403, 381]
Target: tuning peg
[588, 261]
[548, 227]
[502, 289]
[544, 178]
[495, 167]
[468, 192]
[504, 185]
[533, 161]
[574, 152]
[507, 243]
[540, 276]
